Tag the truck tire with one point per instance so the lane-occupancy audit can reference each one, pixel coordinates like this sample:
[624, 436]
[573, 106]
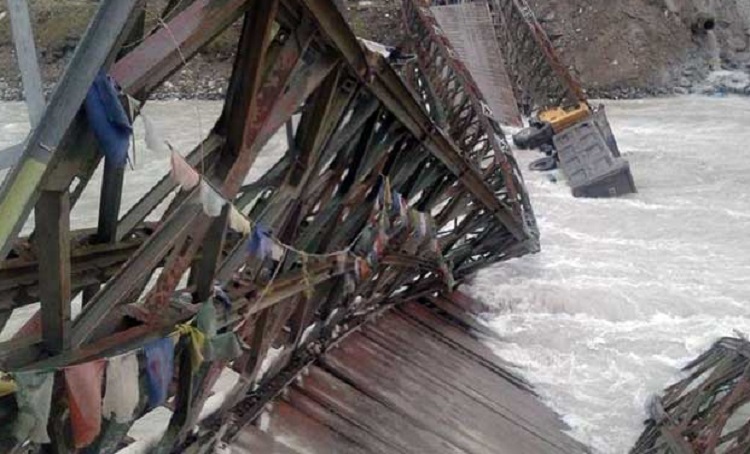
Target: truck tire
[544, 164]
[534, 136]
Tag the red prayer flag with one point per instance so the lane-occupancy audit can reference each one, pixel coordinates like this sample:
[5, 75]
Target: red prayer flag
[84, 386]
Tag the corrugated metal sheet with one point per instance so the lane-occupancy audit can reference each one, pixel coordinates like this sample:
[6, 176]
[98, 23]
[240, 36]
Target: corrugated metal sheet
[469, 28]
[412, 382]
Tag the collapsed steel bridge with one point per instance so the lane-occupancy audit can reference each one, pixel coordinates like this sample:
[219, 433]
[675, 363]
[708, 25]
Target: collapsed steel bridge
[707, 411]
[363, 124]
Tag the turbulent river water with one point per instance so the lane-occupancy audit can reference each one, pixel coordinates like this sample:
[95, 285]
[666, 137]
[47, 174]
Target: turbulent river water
[624, 292]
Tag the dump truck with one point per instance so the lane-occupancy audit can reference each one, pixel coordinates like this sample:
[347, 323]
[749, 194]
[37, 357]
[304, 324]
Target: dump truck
[578, 139]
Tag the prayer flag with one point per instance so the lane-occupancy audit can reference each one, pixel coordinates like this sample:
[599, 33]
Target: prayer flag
[211, 200]
[238, 222]
[183, 173]
[159, 370]
[84, 388]
[122, 391]
[34, 397]
[108, 120]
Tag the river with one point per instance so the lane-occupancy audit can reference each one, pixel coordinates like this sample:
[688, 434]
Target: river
[624, 292]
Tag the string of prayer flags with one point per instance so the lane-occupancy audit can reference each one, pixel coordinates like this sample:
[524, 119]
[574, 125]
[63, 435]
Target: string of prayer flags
[34, 398]
[122, 392]
[259, 245]
[182, 172]
[83, 383]
[197, 342]
[211, 200]
[238, 222]
[159, 370]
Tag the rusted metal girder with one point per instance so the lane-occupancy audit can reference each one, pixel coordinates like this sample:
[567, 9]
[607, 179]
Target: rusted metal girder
[706, 412]
[361, 129]
[91, 263]
[448, 88]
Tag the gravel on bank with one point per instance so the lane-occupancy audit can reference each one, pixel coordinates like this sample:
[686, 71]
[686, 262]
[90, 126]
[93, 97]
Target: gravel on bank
[630, 49]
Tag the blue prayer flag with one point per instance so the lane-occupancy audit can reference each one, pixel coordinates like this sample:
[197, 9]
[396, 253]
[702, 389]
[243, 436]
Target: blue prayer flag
[108, 120]
[159, 370]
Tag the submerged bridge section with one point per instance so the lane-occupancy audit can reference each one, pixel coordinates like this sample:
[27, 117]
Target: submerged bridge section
[708, 411]
[395, 185]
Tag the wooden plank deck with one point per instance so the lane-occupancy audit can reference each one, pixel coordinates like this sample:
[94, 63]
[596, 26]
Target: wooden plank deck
[413, 381]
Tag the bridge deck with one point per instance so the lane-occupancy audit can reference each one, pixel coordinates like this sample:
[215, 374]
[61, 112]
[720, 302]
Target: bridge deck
[416, 380]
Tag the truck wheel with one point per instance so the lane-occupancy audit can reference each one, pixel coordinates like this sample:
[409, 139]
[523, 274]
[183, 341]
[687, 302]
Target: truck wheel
[534, 136]
[544, 164]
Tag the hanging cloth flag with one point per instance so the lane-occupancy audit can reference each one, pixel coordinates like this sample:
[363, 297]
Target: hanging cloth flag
[361, 269]
[205, 319]
[378, 246]
[154, 141]
[34, 397]
[84, 388]
[341, 263]
[108, 120]
[211, 200]
[349, 285]
[221, 296]
[277, 250]
[159, 370]
[387, 195]
[122, 390]
[183, 173]
[404, 209]
[395, 203]
[400, 207]
[197, 341]
[238, 222]
[225, 347]
[259, 245]
[7, 385]
[421, 224]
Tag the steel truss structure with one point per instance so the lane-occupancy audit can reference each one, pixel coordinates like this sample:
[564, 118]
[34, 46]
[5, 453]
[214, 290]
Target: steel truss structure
[360, 125]
[706, 412]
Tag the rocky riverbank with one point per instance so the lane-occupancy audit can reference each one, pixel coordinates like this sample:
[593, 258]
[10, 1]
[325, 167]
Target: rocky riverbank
[629, 49]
